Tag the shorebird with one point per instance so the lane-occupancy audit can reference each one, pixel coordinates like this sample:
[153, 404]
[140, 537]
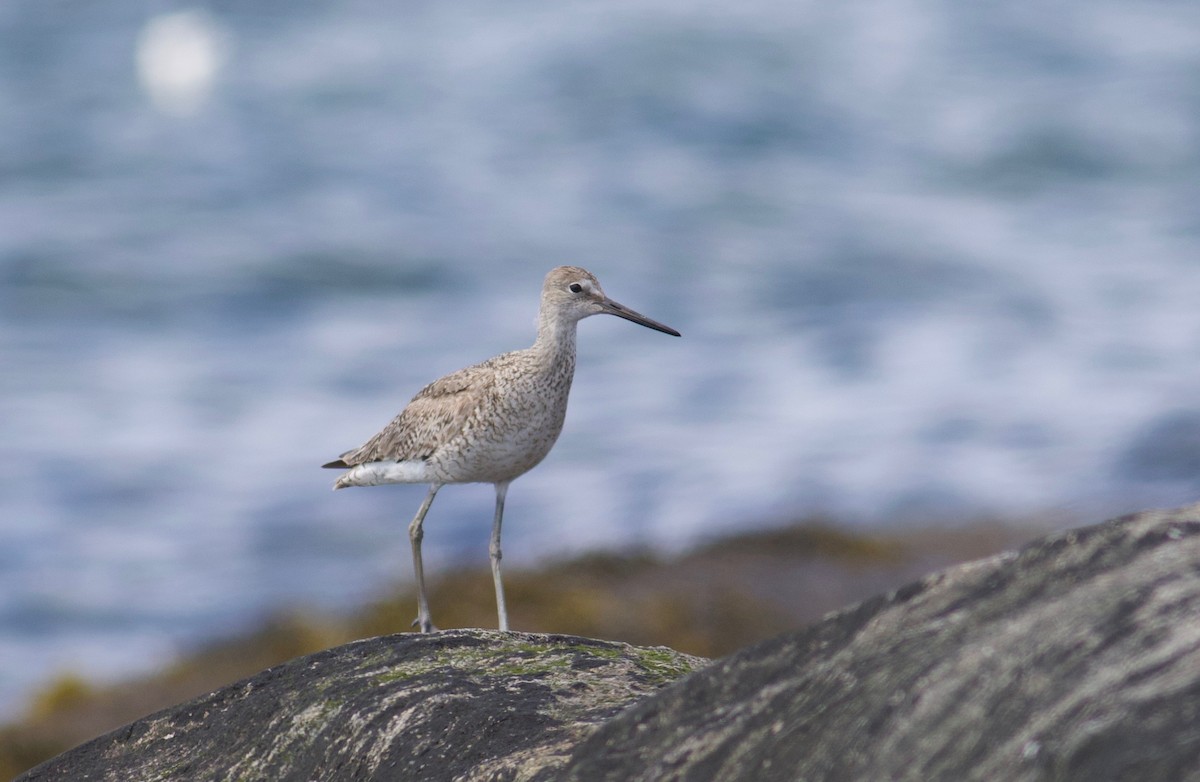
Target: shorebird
[488, 423]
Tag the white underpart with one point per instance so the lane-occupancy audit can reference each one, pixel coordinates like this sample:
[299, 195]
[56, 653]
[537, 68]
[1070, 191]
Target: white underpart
[376, 473]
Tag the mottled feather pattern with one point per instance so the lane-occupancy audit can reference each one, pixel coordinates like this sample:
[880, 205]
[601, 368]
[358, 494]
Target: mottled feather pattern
[434, 416]
[490, 421]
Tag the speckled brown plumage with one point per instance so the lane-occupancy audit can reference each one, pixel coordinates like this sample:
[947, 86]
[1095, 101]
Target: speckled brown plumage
[487, 423]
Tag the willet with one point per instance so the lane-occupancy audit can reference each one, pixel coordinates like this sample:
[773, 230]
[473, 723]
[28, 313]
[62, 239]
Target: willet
[488, 423]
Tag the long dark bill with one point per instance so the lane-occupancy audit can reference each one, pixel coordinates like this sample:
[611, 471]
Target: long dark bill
[621, 311]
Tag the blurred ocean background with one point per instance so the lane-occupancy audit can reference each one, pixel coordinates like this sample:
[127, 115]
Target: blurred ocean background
[933, 261]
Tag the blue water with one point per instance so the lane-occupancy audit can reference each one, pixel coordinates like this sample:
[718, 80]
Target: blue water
[931, 260]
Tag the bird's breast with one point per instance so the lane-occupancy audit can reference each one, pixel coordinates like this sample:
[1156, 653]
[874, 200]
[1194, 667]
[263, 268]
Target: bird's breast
[510, 431]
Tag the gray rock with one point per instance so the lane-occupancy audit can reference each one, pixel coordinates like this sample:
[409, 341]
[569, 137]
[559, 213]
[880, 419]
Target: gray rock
[1077, 658]
[466, 704]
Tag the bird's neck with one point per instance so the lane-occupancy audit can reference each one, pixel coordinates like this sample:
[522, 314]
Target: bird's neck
[556, 338]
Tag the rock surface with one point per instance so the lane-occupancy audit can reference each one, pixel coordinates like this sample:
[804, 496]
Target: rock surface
[466, 704]
[1077, 657]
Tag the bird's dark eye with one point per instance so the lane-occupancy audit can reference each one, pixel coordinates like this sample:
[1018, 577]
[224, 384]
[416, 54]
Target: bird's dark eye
[576, 288]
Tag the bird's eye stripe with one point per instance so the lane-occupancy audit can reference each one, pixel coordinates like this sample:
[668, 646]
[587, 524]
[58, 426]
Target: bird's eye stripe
[576, 287]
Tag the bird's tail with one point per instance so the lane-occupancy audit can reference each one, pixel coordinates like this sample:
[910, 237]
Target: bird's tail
[338, 464]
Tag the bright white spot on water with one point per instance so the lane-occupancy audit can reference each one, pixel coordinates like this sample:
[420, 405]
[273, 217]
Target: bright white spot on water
[178, 57]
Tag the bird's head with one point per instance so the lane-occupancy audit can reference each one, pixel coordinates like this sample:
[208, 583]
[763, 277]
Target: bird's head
[572, 293]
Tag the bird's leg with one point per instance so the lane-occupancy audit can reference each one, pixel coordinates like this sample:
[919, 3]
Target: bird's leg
[415, 533]
[494, 552]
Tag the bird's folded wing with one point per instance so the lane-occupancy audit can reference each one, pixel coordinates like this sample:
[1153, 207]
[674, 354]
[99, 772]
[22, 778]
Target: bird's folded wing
[436, 415]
